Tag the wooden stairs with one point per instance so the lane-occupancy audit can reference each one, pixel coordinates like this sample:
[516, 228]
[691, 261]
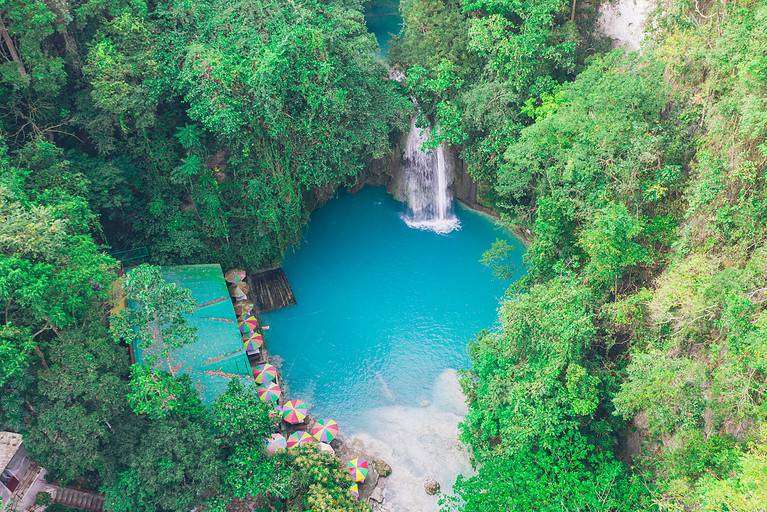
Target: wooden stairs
[78, 499]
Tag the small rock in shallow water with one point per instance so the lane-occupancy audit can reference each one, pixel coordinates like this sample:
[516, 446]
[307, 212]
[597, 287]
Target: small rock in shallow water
[431, 487]
[382, 467]
[377, 495]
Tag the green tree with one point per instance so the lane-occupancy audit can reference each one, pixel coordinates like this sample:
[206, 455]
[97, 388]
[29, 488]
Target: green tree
[155, 318]
[569, 474]
[173, 468]
[518, 385]
[80, 409]
[16, 345]
[611, 243]
[52, 270]
[240, 417]
[157, 394]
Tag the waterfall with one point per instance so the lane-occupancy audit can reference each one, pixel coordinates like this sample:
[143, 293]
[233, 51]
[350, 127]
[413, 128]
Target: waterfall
[427, 185]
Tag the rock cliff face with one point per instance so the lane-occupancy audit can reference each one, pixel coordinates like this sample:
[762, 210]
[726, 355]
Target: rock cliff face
[389, 172]
[624, 21]
[464, 186]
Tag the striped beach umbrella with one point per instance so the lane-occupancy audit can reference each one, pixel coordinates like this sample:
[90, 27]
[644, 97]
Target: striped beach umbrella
[354, 490]
[246, 330]
[276, 443]
[264, 373]
[294, 411]
[253, 343]
[269, 392]
[235, 276]
[250, 321]
[358, 469]
[325, 431]
[300, 437]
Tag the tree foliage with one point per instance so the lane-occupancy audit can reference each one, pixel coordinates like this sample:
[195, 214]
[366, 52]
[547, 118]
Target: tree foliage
[637, 331]
[155, 319]
[628, 370]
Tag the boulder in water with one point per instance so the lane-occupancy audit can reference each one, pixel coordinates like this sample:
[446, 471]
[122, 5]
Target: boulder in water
[382, 467]
[431, 487]
[377, 495]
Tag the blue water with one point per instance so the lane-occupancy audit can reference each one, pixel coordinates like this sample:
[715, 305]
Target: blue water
[382, 309]
[383, 19]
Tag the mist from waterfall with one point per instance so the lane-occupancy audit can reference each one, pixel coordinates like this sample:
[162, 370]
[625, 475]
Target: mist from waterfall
[427, 185]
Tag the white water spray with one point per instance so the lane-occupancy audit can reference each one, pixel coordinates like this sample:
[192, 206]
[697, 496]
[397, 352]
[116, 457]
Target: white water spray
[427, 185]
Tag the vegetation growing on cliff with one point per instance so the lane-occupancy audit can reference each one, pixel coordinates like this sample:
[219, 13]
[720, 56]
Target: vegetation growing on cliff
[190, 135]
[630, 368]
[200, 131]
[629, 371]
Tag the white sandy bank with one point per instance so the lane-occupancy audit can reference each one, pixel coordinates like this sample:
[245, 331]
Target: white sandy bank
[419, 442]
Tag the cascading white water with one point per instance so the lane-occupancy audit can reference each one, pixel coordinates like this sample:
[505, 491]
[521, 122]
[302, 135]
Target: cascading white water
[427, 185]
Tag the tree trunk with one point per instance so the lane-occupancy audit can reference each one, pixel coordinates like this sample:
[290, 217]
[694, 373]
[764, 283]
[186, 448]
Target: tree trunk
[41, 356]
[12, 48]
[169, 362]
[61, 9]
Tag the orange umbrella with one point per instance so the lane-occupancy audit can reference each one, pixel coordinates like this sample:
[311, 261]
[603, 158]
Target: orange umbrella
[253, 343]
[276, 443]
[269, 392]
[325, 431]
[250, 321]
[238, 291]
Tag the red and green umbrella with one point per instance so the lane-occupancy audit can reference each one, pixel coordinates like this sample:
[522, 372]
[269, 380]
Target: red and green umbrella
[249, 321]
[294, 411]
[235, 276]
[246, 330]
[276, 443]
[300, 437]
[269, 392]
[358, 469]
[253, 343]
[325, 431]
[264, 373]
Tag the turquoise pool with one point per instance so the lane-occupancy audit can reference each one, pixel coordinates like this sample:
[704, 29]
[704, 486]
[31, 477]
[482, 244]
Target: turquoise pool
[383, 19]
[383, 319]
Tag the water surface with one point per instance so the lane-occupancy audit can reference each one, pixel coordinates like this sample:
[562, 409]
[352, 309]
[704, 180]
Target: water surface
[383, 19]
[384, 315]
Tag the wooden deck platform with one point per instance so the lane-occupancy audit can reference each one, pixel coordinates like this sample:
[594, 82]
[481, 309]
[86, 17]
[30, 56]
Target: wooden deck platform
[270, 290]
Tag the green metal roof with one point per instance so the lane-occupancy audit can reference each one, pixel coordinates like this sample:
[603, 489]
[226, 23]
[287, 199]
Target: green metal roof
[217, 355]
